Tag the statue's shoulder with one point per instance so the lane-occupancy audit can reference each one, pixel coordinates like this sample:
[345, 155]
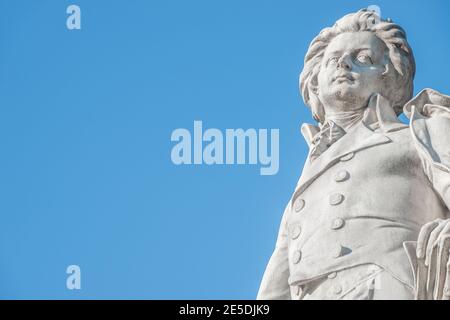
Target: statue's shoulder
[426, 102]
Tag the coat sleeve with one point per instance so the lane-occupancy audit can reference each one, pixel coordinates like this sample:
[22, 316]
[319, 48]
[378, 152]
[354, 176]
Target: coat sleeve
[429, 114]
[274, 285]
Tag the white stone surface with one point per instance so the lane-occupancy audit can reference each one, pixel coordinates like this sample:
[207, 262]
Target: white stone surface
[369, 217]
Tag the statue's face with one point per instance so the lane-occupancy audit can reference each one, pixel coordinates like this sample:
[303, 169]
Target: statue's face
[351, 71]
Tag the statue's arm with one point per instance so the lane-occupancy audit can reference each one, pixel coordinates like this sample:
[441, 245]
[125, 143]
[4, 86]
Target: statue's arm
[430, 127]
[429, 116]
[274, 285]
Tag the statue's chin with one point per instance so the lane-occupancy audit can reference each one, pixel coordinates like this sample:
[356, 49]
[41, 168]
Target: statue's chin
[344, 90]
[347, 96]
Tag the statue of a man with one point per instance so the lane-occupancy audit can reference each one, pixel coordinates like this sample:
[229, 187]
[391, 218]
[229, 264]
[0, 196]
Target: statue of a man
[369, 218]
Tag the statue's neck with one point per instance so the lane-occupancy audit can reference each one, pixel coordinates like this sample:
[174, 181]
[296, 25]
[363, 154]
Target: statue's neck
[346, 119]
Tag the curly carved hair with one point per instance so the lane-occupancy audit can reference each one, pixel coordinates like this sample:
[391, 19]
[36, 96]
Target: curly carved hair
[400, 54]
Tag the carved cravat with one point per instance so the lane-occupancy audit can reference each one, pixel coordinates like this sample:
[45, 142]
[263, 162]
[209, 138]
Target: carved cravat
[329, 133]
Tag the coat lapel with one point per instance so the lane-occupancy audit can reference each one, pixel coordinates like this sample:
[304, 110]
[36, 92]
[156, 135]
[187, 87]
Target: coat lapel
[358, 138]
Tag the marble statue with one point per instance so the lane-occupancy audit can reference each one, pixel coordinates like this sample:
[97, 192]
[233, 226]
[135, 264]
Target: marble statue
[369, 217]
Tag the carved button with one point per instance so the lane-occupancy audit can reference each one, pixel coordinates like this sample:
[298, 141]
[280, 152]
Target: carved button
[348, 156]
[295, 232]
[337, 251]
[337, 289]
[296, 257]
[336, 198]
[332, 275]
[299, 204]
[337, 223]
[342, 176]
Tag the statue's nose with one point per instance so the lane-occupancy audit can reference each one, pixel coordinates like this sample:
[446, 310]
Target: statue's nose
[344, 62]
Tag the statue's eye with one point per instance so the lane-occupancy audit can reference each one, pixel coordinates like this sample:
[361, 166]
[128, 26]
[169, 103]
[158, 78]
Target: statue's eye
[333, 60]
[364, 59]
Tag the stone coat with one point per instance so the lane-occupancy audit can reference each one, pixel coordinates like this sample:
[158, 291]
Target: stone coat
[365, 197]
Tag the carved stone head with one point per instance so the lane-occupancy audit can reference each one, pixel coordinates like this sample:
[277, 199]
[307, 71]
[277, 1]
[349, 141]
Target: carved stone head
[359, 56]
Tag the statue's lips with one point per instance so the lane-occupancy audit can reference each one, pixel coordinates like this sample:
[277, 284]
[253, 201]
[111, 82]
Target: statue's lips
[343, 77]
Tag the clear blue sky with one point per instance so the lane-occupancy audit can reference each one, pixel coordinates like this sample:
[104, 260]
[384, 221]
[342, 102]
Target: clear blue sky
[85, 122]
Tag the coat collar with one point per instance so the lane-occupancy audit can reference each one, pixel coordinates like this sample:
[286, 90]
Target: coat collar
[379, 114]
